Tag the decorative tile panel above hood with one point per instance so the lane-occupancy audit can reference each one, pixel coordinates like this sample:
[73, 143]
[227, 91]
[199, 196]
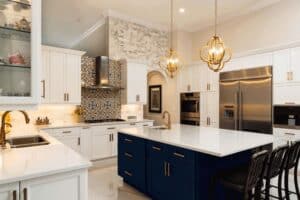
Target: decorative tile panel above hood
[99, 103]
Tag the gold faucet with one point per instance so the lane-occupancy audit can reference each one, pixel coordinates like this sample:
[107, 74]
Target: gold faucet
[169, 119]
[3, 124]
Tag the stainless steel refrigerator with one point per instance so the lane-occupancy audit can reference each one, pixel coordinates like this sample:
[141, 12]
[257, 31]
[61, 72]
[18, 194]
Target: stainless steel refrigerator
[246, 100]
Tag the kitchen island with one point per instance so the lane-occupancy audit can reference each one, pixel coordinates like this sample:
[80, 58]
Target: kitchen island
[46, 172]
[180, 163]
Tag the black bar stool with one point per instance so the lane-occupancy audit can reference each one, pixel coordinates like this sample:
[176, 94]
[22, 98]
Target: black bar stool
[292, 161]
[245, 179]
[275, 168]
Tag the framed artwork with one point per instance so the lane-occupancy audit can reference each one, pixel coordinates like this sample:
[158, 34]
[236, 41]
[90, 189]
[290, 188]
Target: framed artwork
[155, 99]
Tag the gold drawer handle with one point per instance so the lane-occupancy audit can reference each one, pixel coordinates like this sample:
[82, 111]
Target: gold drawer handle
[67, 132]
[128, 140]
[128, 173]
[111, 128]
[128, 155]
[293, 134]
[156, 148]
[179, 155]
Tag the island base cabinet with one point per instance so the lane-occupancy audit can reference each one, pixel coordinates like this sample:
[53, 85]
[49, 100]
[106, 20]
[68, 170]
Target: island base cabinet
[9, 191]
[65, 186]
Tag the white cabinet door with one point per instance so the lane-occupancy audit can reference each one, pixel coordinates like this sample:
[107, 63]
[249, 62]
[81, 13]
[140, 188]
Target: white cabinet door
[101, 146]
[203, 78]
[70, 186]
[45, 77]
[295, 60]
[203, 108]
[57, 83]
[136, 83]
[9, 191]
[72, 74]
[281, 66]
[194, 78]
[213, 81]
[185, 79]
[73, 142]
[286, 94]
[85, 142]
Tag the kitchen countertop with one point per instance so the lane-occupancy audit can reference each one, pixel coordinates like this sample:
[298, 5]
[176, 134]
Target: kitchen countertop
[83, 124]
[17, 164]
[212, 141]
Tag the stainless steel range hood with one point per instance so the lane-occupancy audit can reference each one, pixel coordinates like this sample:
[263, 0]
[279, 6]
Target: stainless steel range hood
[102, 80]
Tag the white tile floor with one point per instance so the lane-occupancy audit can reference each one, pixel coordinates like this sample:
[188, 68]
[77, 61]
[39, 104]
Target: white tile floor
[105, 184]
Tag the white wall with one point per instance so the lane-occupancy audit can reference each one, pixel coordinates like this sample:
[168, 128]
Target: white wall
[273, 26]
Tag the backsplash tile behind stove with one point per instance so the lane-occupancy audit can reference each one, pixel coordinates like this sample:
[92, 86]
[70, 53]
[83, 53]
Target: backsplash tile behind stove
[99, 103]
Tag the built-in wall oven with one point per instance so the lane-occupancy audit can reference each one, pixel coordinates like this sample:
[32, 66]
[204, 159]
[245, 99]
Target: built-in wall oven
[190, 108]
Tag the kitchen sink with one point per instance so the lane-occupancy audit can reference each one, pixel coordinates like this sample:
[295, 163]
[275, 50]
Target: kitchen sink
[29, 141]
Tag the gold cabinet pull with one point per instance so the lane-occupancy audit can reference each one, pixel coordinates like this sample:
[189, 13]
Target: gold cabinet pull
[132, 124]
[292, 134]
[156, 148]
[65, 97]
[78, 141]
[25, 194]
[128, 173]
[166, 168]
[43, 95]
[178, 155]
[128, 155]
[65, 132]
[111, 128]
[169, 170]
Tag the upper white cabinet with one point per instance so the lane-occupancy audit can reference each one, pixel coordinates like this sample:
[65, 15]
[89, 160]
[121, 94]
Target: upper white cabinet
[134, 80]
[61, 76]
[281, 66]
[295, 69]
[20, 52]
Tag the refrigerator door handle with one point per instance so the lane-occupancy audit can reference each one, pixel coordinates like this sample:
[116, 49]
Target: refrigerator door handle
[240, 110]
[236, 110]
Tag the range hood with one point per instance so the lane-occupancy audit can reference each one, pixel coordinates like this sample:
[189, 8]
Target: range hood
[102, 80]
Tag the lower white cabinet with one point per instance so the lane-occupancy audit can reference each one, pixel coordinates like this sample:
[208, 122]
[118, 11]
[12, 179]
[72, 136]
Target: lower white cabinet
[66, 186]
[69, 137]
[286, 93]
[9, 191]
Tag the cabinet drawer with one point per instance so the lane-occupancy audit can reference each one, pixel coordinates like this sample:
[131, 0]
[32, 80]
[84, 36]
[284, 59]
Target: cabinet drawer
[156, 149]
[66, 131]
[130, 142]
[180, 154]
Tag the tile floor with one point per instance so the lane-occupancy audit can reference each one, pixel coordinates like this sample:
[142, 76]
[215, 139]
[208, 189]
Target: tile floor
[105, 184]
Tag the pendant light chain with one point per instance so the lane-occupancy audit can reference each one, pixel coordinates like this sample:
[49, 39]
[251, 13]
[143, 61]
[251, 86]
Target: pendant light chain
[216, 16]
[171, 24]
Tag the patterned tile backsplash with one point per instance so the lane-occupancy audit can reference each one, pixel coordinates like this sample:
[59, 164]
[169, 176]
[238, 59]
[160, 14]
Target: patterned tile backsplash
[100, 103]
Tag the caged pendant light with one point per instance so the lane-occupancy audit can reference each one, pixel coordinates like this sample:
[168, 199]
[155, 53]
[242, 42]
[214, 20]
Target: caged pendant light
[215, 53]
[170, 63]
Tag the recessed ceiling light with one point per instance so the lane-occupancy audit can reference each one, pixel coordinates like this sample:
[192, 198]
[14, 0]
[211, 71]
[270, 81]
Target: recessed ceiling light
[181, 10]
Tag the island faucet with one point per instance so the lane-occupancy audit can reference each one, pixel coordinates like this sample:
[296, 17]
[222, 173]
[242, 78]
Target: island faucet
[3, 124]
[169, 119]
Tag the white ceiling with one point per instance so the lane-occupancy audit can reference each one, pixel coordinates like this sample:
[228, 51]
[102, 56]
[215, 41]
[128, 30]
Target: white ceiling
[64, 21]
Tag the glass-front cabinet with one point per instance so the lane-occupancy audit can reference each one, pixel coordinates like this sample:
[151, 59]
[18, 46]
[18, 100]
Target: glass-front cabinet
[20, 51]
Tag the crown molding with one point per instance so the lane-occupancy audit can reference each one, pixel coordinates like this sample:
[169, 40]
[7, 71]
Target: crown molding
[90, 31]
[127, 18]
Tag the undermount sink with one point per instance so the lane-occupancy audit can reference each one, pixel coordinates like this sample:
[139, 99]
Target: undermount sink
[29, 141]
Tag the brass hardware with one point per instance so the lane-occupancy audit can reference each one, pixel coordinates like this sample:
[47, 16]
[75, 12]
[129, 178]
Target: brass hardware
[128, 173]
[290, 103]
[67, 96]
[64, 96]
[128, 140]
[207, 86]
[3, 126]
[292, 76]
[156, 148]
[169, 119]
[132, 124]
[25, 192]
[165, 169]
[169, 171]
[137, 98]
[178, 155]
[87, 127]
[78, 141]
[209, 121]
[145, 124]
[128, 155]
[43, 83]
[65, 132]
[112, 137]
[111, 128]
[14, 195]
[188, 87]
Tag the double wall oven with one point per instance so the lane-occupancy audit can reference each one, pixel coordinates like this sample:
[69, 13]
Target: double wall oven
[190, 108]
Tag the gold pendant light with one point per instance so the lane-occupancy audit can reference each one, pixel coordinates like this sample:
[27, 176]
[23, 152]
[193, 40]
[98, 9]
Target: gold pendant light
[170, 63]
[215, 53]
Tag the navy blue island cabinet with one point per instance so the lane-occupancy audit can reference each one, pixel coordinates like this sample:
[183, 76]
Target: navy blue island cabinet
[166, 172]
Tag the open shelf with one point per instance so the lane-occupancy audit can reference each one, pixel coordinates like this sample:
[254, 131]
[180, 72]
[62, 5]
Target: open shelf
[15, 66]
[13, 29]
[19, 2]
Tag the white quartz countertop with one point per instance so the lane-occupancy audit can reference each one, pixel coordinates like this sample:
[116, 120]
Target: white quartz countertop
[212, 141]
[17, 164]
[83, 124]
